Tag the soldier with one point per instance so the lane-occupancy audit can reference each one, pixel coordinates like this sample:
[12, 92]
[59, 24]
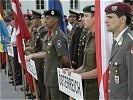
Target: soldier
[81, 46]
[118, 18]
[130, 3]
[73, 18]
[56, 55]
[73, 38]
[37, 44]
[88, 70]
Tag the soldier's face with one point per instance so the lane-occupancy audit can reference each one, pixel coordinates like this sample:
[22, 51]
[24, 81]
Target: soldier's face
[43, 21]
[113, 22]
[50, 21]
[88, 21]
[72, 19]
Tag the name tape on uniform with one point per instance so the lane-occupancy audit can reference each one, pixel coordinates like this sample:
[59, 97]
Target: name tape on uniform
[70, 85]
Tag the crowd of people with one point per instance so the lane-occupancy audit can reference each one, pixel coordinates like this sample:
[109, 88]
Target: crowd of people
[50, 48]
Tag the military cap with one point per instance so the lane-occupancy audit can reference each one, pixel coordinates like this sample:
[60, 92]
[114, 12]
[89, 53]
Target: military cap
[43, 14]
[90, 8]
[118, 7]
[35, 14]
[73, 13]
[53, 13]
[81, 15]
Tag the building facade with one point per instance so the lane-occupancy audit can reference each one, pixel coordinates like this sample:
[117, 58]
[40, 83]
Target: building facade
[41, 5]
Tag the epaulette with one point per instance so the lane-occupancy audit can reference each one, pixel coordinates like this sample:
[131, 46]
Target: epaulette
[130, 35]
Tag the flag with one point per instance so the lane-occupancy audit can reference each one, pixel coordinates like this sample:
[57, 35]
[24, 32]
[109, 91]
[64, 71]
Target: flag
[57, 5]
[4, 37]
[1, 9]
[103, 47]
[22, 33]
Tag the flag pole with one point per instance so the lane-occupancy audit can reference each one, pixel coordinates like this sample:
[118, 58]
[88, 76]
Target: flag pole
[23, 82]
[7, 64]
[13, 71]
[35, 88]
[0, 63]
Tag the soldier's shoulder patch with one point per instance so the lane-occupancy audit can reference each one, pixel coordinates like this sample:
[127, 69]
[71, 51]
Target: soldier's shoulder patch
[130, 35]
[59, 44]
[131, 49]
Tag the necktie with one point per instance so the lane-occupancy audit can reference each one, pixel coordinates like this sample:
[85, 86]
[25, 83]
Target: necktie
[113, 46]
[49, 33]
[114, 42]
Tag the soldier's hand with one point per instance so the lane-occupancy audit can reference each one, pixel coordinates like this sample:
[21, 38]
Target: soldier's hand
[74, 63]
[65, 70]
[29, 57]
[70, 71]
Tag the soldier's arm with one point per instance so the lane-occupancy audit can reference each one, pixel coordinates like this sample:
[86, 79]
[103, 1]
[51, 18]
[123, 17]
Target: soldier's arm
[129, 63]
[29, 48]
[38, 55]
[65, 61]
[90, 74]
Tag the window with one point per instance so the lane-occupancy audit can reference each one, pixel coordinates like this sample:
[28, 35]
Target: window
[7, 4]
[39, 4]
[74, 4]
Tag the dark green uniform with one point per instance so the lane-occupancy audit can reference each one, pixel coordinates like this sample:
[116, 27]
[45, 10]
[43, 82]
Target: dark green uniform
[81, 46]
[71, 34]
[91, 91]
[74, 44]
[38, 44]
[57, 46]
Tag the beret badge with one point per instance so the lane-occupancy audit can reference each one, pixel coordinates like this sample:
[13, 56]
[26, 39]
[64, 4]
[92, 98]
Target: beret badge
[52, 12]
[114, 8]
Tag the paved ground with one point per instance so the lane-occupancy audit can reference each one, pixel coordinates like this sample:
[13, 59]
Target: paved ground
[7, 91]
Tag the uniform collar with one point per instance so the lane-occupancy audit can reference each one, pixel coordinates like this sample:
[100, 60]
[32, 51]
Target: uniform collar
[92, 34]
[120, 35]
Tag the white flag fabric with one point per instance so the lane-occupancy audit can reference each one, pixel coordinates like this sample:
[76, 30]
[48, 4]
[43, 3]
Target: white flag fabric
[103, 47]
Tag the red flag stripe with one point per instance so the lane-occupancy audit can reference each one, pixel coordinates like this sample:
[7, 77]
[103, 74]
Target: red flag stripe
[1, 9]
[22, 32]
[103, 48]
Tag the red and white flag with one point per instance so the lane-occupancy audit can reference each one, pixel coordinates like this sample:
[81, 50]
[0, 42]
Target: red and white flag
[103, 47]
[22, 33]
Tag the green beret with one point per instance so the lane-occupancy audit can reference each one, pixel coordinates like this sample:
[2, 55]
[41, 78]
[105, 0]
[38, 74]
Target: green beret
[90, 8]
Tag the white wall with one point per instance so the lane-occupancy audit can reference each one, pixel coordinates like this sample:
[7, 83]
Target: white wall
[31, 5]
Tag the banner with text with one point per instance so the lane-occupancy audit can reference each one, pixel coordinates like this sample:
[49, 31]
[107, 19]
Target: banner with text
[70, 85]
[31, 68]
[10, 51]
